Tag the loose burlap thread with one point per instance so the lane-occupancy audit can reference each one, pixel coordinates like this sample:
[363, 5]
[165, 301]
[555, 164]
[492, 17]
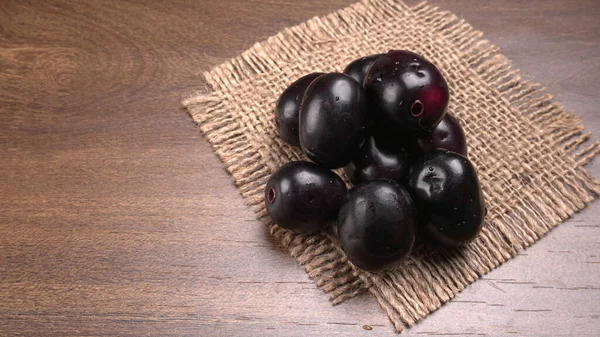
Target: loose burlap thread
[530, 153]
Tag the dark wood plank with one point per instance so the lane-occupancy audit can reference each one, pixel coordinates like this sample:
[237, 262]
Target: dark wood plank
[117, 219]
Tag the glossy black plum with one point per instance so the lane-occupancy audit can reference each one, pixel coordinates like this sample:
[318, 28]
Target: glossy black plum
[304, 197]
[358, 68]
[447, 192]
[287, 109]
[448, 135]
[406, 91]
[374, 162]
[332, 120]
[376, 224]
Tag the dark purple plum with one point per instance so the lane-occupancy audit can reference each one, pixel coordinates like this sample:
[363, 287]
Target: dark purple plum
[358, 68]
[447, 192]
[287, 109]
[448, 135]
[374, 162]
[376, 224]
[304, 197]
[406, 91]
[332, 120]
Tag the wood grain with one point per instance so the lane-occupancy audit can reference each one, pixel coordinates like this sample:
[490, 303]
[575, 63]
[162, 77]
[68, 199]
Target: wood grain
[117, 218]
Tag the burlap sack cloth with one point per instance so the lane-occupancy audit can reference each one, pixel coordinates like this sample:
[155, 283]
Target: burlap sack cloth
[528, 151]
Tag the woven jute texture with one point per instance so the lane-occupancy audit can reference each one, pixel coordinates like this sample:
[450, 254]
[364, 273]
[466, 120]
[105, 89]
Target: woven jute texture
[529, 152]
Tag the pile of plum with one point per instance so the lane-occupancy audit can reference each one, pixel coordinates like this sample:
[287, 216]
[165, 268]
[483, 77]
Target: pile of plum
[384, 122]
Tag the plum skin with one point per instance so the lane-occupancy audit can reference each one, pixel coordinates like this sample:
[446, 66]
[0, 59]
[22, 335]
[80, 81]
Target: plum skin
[304, 197]
[447, 135]
[358, 68]
[376, 225]
[287, 109]
[332, 120]
[448, 195]
[376, 162]
[406, 91]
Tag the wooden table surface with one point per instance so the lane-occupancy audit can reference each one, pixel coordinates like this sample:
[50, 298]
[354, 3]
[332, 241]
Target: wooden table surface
[117, 219]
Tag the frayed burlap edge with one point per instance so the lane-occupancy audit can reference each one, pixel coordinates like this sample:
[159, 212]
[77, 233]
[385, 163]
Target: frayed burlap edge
[407, 295]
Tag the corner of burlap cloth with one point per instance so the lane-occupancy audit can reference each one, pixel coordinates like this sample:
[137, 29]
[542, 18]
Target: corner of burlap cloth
[530, 152]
